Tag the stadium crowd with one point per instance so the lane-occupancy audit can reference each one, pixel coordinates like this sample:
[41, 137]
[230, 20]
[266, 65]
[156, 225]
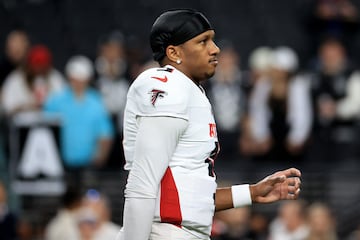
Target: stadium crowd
[272, 112]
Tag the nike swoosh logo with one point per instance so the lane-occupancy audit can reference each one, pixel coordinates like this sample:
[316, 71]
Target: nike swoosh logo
[163, 79]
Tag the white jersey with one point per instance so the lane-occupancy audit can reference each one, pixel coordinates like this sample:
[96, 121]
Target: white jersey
[187, 190]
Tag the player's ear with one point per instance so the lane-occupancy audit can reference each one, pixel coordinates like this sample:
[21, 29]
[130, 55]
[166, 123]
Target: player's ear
[173, 53]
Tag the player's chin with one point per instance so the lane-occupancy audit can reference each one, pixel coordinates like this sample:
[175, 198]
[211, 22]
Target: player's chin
[209, 74]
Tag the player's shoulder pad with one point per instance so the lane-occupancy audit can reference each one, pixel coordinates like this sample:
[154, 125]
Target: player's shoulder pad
[162, 92]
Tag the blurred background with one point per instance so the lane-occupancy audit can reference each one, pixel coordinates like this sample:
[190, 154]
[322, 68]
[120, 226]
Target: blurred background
[286, 93]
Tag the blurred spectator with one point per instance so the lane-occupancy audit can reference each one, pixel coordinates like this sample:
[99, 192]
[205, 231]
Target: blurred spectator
[94, 219]
[290, 224]
[258, 227]
[260, 63]
[231, 224]
[259, 69]
[31, 83]
[227, 91]
[111, 67]
[333, 18]
[16, 48]
[87, 223]
[240, 225]
[138, 54]
[8, 220]
[321, 222]
[336, 100]
[64, 224]
[86, 131]
[280, 110]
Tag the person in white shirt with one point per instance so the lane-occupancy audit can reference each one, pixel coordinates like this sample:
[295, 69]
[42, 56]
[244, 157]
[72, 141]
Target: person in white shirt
[64, 225]
[290, 222]
[95, 218]
[170, 140]
[31, 83]
[280, 109]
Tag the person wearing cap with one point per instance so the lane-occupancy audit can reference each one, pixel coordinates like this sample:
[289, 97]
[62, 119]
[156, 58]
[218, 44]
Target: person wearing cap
[280, 109]
[170, 140]
[31, 83]
[102, 227]
[86, 131]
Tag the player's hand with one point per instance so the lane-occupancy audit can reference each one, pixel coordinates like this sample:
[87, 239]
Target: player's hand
[282, 185]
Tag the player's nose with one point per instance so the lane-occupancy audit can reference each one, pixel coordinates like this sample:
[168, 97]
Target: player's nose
[214, 49]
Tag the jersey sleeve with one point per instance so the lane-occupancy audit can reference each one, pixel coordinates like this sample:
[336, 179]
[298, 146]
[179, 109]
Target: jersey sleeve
[156, 142]
[160, 92]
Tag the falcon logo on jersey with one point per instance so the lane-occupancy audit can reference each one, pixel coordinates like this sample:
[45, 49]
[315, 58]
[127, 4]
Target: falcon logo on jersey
[156, 94]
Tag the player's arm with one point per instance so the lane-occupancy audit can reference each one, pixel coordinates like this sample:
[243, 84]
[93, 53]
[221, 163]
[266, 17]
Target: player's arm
[278, 186]
[156, 141]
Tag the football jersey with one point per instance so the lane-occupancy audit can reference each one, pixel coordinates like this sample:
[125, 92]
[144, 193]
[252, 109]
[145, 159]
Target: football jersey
[187, 189]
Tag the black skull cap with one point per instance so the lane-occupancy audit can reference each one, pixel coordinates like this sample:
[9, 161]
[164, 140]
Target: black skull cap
[175, 27]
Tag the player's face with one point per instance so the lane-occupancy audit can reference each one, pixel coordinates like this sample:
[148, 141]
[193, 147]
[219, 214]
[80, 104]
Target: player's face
[199, 56]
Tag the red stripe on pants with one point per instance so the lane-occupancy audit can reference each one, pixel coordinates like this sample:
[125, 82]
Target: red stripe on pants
[170, 211]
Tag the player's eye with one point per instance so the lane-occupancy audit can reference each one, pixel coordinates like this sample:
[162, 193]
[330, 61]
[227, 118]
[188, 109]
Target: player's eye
[203, 41]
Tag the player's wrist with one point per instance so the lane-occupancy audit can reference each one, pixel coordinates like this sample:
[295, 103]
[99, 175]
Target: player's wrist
[241, 195]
